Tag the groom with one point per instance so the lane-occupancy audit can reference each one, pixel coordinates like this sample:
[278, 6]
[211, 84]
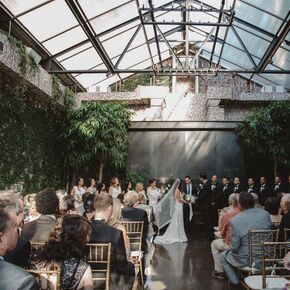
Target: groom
[188, 189]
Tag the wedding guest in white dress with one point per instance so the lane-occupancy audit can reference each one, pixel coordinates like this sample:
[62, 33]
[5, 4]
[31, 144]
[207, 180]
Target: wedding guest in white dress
[115, 188]
[154, 194]
[139, 188]
[77, 192]
[175, 232]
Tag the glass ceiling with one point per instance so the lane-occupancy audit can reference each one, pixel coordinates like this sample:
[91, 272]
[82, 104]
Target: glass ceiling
[255, 27]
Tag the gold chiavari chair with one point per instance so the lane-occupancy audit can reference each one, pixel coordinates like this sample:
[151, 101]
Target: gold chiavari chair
[255, 237]
[135, 233]
[273, 272]
[286, 235]
[99, 258]
[36, 250]
[47, 279]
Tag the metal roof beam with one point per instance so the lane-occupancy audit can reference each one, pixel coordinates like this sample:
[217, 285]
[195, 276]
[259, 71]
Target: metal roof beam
[88, 30]
[275, 44]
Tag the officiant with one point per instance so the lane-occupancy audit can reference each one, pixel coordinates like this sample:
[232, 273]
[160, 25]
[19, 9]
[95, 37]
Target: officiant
[188, 189]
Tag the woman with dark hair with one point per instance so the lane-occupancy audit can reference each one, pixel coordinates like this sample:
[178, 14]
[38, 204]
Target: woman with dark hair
[92, 186]
[88, 200]
[68, 205]
[115, 188]
[153, 194]
[66, 249]
[272, 206]
[127, 186]
[78, 190]
[101, 187]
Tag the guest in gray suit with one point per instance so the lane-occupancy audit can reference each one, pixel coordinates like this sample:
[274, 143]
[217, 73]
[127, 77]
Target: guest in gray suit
[47, 204]
[12, 277]
[250, 218]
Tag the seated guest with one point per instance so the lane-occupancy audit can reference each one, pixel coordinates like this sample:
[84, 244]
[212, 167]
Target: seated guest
[20, 255]
[256, 200]
[88, 200]
[121, 269]
[12, 277]
[139, 188]
[68, 205]
[65, 250]
[272, 207]
[250, 218]
[285, 221]
[131, 213]
[47, 205]
[223, 244]
[114, 221]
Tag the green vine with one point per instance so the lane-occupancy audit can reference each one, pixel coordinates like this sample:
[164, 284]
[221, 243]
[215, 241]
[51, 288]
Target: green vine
[62, 94]
[27, 62]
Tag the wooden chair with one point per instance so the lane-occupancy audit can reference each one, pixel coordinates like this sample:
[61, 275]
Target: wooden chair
[36, 250]
[254, 242]
[274, 274]
[286, 235]
[135, 233]
[99, 258]
[47, 279]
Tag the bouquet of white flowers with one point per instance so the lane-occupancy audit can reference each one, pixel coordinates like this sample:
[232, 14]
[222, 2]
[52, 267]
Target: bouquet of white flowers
[189, 198]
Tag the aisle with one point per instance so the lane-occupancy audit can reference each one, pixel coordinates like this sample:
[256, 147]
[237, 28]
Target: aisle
[183, 266]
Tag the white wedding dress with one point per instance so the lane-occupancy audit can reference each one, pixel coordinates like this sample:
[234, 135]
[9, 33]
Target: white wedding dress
[175, 232]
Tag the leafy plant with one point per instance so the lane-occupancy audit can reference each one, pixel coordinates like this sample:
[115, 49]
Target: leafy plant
[27, 62]
[98, 131]
[267, 131]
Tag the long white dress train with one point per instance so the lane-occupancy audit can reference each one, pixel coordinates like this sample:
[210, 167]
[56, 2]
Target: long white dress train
[175, 232]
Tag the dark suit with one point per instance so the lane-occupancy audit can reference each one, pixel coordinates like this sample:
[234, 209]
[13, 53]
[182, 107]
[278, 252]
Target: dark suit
[136, 214]
[284, 224]
[215, 202]
[15, 278]
[39, 229]
[189, 189]
[264, 193]
[252, 189]
[204, 202]
[238, 188]
[103, 233]
[278, 188]
[227, 190]
[20, 255]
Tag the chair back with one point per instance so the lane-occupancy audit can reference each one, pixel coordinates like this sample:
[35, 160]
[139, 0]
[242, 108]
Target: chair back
[286, 235]
[47, 279]
[272, 254]
[135, 233]
[99, 258]
[36, 251]
[255, 239]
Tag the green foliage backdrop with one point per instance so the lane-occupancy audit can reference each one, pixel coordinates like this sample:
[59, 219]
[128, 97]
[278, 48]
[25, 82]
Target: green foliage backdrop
[266, 131]
[31, 143]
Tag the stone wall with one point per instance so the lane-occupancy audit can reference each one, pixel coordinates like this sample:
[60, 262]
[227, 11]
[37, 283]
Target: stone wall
[9, 61]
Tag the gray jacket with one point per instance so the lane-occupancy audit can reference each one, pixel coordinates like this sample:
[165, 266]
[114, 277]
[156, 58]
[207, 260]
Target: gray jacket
[250, 219]
[13, 277]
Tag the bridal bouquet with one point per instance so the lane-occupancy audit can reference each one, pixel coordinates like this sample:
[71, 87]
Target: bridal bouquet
[189, 198]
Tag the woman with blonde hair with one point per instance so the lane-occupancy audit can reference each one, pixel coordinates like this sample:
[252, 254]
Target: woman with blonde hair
[114, 221]
[115, 188]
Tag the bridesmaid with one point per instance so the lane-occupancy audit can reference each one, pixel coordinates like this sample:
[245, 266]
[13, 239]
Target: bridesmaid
[154, 194]
[115, 188]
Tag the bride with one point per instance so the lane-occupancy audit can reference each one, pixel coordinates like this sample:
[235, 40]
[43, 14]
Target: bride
[170, 210]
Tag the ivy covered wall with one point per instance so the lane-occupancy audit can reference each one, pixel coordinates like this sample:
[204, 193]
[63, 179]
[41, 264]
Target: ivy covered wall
[31, 141]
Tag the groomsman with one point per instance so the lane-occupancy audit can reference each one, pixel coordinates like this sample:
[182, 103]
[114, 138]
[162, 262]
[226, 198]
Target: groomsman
[237, 185]
[204, 201]
[278, 186]
[264, 190]
[227, 190]
[189, 189]
[251, 186]
[215, 202]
